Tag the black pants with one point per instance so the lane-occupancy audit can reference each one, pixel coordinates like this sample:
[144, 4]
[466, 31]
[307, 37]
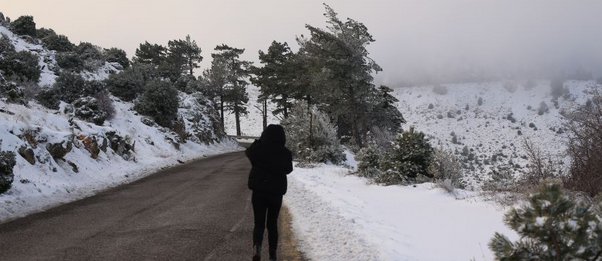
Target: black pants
[266, 205]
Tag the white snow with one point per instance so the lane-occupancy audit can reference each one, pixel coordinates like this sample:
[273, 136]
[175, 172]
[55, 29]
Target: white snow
[337, 216]
[485, 129]
[52, 182]
[341, 217]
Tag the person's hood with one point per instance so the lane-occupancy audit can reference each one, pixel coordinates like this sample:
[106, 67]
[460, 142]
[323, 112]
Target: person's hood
[273, 134]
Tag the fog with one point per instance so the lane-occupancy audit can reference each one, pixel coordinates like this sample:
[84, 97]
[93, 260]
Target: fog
[416, 40]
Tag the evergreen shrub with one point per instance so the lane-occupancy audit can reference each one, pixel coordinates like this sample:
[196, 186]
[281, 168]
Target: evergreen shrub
[322, 145]
[159, 101]
[21, 66]
[551, 226]
[409, 159]
[7, 163]
[24, 25]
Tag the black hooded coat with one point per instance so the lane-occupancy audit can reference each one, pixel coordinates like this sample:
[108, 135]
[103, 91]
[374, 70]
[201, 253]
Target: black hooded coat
[271, 161]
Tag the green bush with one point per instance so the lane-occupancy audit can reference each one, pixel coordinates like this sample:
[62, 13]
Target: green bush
[70, 61]
[159, 101]
[21, 66]
[68, 88]
[321, 146]
[6, 46]
[88, 51]
[129, 84]
[7, 163]
[89, 109]
[12, 92]
[116, 55]
[551, 227]
[410, 157]
[59, 43]
[24, 25]
[369, 159]
[49, 98]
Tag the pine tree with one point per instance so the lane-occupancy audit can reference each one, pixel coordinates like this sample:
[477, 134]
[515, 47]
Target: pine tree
[228, 79]
[183, 56]
[384, 114]
[410, 157]
[276, 78]
[116, 55]
[341, 62]
[551, 227]
[148, 53]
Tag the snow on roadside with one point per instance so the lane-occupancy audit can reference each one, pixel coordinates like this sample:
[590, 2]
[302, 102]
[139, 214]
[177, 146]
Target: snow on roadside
[341, 217]
[51, 182]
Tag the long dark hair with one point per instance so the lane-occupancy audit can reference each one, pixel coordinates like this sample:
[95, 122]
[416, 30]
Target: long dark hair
[273, 134]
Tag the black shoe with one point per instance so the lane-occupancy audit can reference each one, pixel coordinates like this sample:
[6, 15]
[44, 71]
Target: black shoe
[257, 253]
[272, 255]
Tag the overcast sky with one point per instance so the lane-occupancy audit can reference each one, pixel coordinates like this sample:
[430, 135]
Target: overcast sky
[414, 38]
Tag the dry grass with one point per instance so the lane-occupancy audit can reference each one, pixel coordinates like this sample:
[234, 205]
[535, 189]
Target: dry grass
[289, 250]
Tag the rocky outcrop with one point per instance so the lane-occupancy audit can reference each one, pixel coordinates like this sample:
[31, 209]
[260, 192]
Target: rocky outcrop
[90, 144]
[121, 146]
[58, 151]
[27, 154]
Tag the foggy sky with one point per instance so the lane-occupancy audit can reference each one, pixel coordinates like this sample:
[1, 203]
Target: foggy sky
[415, 39]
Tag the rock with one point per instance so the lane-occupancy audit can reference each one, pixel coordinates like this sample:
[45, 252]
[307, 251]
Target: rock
[57, 151]
[91, 145]
[147, 121]
[104, 145]
[120, 145]
[27, 154]
[31, 136]
[73, 166]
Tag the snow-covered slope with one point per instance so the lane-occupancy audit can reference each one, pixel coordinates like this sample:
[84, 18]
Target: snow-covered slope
[60, 158]
[490, 121]
[252, 123]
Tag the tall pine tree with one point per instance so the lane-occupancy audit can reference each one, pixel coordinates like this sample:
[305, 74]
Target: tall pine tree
[342, 64]
[275, 78]
[227, 78]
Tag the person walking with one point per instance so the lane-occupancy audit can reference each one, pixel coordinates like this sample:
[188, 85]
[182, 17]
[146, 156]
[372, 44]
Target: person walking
[271, 161]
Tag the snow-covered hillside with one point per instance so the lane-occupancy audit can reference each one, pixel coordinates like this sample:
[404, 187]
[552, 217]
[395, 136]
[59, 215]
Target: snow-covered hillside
[485, 124]
[252, 123]
[60, 158]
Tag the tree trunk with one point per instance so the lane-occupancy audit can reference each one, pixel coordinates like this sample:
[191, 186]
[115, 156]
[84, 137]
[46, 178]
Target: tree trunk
[285, 109]
[237, 119]
[311, 121]
[221, 111]
[355, 128]
[265, 113]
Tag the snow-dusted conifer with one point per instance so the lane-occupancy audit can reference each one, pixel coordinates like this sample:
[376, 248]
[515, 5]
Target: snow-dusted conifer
[409, 158]
[322, 146]
[551, 227]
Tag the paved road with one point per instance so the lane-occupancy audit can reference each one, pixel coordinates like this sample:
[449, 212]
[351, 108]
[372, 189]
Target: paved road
[197, 211]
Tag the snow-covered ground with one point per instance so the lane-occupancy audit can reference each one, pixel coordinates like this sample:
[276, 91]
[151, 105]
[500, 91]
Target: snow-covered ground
[491, 121]
[337, 216]
[120, 151]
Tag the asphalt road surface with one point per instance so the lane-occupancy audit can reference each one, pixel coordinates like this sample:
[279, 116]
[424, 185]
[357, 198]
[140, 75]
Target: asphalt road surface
[198, 211]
